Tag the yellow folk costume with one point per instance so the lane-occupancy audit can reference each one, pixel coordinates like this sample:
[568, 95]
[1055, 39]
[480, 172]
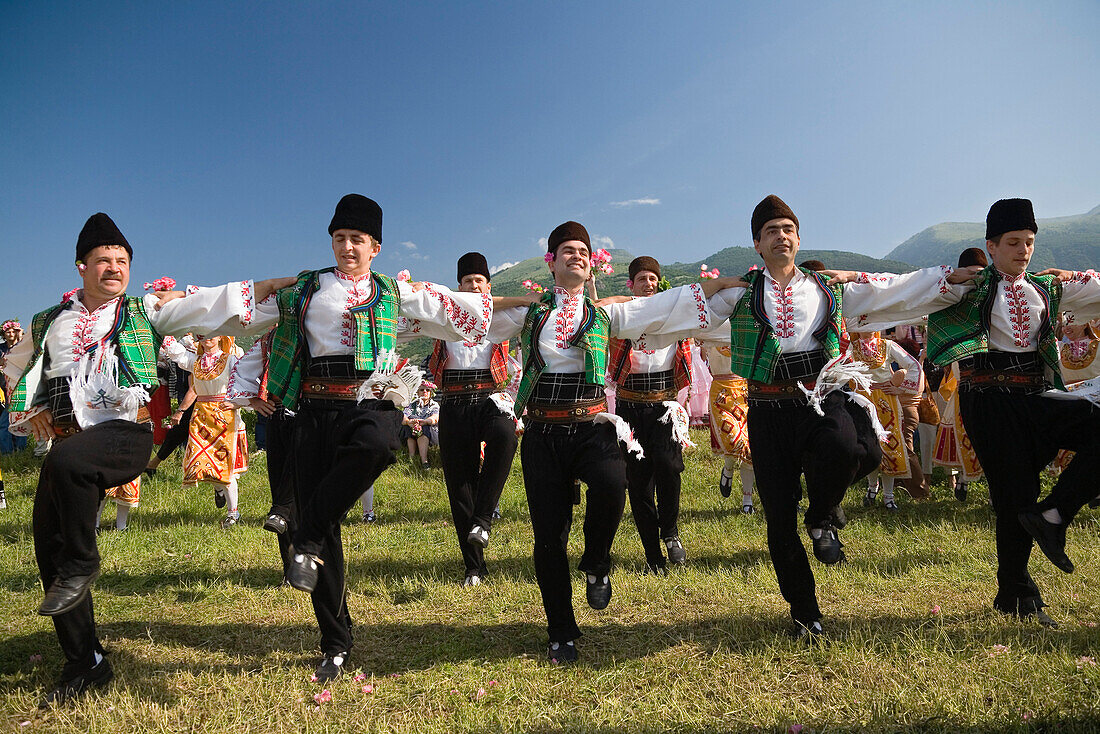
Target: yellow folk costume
[876, 354]
[217, 446]
[953, 449]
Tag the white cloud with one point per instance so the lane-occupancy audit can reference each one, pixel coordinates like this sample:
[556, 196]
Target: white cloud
[652, 201]
[409, 245]
[603, 241]
[541, 244]
[503, 266]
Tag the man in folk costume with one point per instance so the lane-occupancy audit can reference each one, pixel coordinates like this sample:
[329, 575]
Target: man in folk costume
[247, 388]
[335, 338]
[1001, 334]
[647, 381]
[785, 327]
[217, 444]
[569, 434]
[98, 444]
[474, 410]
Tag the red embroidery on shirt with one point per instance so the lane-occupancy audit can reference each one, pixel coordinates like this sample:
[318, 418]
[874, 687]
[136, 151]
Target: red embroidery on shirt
[1019, 312]
[246, 296]
[83, 330]
[1084, 276]
[700, 305]
[784, 311]
[359, 292]
[563, 321]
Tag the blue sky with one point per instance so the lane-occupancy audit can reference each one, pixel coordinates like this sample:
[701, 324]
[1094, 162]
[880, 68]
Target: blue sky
[219, 136]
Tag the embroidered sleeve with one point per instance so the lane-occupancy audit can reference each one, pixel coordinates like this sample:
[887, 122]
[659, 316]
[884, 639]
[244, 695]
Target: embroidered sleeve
[879, 301]
[228, 310]
[245, 375]
[446, 314]
[664, 318]
[907, 362]
[19, 420]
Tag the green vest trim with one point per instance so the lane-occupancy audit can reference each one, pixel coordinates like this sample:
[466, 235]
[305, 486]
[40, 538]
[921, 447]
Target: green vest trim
[962, 330]
[754, 347]
[591, 336]
[132, 334]
[375, 325]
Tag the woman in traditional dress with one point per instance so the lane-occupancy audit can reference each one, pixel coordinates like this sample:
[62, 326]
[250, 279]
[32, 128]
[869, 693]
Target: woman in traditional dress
[953, 449]
[1077, 354]
[879, 355]
[729, 433]
[217, 446]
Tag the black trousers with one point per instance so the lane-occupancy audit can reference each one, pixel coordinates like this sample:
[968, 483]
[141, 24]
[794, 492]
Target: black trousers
[340, 449]
[832, 451]
[176, 436]
[551, 461]
[1015, 436]
[74, 477]
[653, 482]
[474, 492]
[280, 477]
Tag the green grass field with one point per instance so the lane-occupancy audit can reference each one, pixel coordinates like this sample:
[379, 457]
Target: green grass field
[202, 639]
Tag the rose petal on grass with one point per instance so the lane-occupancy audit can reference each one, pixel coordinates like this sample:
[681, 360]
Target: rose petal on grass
[936, 609]
[360, 678]
[480, 693]
[368, 688]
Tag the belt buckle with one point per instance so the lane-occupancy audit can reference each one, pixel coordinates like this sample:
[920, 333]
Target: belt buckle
[578, 411]
[1001, 377]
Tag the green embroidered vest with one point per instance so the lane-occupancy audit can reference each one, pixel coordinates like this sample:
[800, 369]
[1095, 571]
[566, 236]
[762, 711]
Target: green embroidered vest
[375, 331]
[754, 347]
[132, 333]
[962, 330]
[591, 336]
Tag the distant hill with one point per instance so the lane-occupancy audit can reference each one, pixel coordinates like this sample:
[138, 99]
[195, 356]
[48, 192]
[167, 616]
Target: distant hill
[1065, 242]
[730, 261]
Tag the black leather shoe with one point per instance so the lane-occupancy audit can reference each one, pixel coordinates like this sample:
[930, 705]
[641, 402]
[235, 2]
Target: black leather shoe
[837, 517]
[656, 569]
[332, 665]
[961, 489]
[219, 499]
[1051, 538]
[302, 571]
[69, 690]
[676, 552]
[725, 483]
[150, 473]
[827, 547]
[1095, 503]
[65, 594]
[1041, 617]
[478, 536]
[809, 634]
[275, 523]
[598, 592]
[562, 653]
